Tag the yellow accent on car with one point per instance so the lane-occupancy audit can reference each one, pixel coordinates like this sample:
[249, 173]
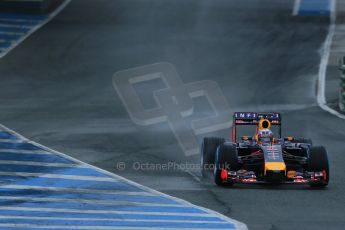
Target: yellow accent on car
[275, 166]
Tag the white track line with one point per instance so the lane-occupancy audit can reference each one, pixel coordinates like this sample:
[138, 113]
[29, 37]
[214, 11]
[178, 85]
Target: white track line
[88, 201]
[326, 50]
[111, 219]
[97, 211]
[24, 151]
[36, 226]
[59, 176]
[75, 190]
[10, 140]
[238, 225]
[296, 7]
[35, 28]
[37, 163]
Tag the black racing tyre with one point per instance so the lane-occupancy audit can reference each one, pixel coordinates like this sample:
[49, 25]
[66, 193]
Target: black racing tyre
[208, 152]
[226, 158]
[317, 162]
[303, 140]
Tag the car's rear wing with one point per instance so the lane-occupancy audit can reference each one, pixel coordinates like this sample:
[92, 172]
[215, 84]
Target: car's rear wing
[250, 118]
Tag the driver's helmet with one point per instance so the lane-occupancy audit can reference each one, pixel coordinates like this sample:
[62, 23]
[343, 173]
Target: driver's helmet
[265, 136]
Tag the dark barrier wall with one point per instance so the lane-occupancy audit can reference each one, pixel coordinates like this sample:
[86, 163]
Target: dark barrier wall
[29, 6]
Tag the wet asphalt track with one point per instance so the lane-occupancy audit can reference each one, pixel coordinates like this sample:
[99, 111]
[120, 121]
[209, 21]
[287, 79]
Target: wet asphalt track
[56, 89]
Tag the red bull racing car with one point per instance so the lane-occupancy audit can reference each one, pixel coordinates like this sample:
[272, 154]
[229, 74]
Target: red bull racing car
[264, 158]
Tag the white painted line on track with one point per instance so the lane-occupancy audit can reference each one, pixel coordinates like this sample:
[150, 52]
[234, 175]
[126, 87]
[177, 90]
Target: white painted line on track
[23, 151]
[110, 219]
[96, 211]
[113, 219]
[35, 163]
[10, 140]
[75, 190]
[296, 7]
[88, 201]
[326, 50]
[58, 176]
[36, 226]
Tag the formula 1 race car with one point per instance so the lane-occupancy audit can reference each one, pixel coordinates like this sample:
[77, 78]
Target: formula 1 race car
[262, 158]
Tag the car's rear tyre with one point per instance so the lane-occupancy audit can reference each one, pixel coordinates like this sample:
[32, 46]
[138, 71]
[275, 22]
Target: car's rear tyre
[208, 152]
[226, 158]
[303, 140]
[318, 162]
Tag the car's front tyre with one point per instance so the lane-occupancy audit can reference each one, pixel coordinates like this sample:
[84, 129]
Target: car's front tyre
[226, 159]
[318, 162]
[208, 152]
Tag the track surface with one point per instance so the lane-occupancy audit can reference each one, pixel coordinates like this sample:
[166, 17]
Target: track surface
[57, 90]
